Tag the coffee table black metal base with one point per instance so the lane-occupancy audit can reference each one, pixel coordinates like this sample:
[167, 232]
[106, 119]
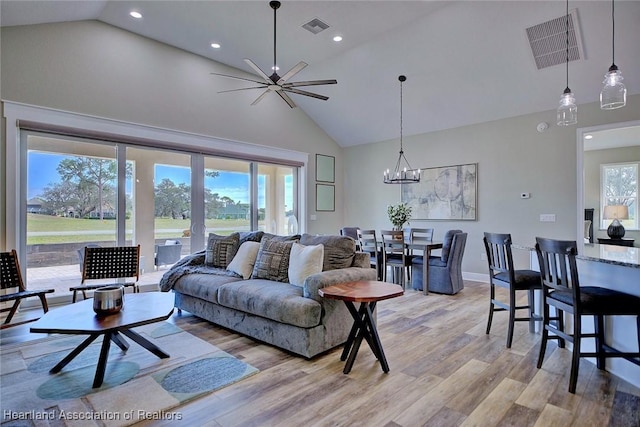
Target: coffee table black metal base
[364, 327]
[104, 351]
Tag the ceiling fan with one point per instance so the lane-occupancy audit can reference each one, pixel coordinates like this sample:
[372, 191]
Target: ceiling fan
[275, 83]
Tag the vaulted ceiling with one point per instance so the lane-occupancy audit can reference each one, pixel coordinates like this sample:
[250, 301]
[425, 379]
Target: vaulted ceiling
[466, 62]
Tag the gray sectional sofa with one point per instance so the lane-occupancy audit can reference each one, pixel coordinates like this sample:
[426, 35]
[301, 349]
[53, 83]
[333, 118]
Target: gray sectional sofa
[290, 316]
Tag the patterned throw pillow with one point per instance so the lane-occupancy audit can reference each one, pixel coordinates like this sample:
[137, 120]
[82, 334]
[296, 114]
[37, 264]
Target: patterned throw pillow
[272, 262]
[221, 250]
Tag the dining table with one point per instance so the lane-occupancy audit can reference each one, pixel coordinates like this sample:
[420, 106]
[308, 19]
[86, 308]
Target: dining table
[426, 246]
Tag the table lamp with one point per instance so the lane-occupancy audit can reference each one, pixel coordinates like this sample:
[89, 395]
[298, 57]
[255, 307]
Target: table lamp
[616, 213]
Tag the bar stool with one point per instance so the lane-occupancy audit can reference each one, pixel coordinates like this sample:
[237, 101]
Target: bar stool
[503, 274]
[561, 289]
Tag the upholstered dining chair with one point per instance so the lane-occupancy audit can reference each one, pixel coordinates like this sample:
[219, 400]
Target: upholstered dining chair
[369, 243]
[119, 262]
[561, 289]
[445, 270]
[11, 282]
[504, 275]
[354, 233]
[394, 254]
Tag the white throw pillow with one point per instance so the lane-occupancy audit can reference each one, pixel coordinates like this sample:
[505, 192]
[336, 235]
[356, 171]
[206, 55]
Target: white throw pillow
[304, 261]
[242, 263]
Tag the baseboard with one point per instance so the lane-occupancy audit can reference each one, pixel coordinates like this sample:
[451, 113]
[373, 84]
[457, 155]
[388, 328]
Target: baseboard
[476, 277]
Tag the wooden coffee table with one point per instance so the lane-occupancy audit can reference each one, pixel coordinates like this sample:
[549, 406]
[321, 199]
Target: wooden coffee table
[367, 293]
[80, 319]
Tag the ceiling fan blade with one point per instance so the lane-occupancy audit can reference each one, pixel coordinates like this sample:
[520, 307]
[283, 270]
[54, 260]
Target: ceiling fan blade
[258, 70]
[237, 78]
[310, 83]
[242, 88]
[258, 99]
[286, 98]
[292, 72]
[304, 92]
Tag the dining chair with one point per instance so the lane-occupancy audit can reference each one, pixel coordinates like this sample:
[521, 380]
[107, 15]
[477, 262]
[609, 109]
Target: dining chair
[119, 262]
[561, 289]
[354, 233]
[394, 254]
[369, 243]
[504, 275]
[10, 279]
[444, 272]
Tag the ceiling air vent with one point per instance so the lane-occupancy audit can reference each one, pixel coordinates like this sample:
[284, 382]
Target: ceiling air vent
[315, 26]
[548, 41]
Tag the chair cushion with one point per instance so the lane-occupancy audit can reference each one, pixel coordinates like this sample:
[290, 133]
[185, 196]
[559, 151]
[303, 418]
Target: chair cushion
[598, 300]
[525, 279]
[436, 261]
[272, 262]
[221, 249]
[446, 243]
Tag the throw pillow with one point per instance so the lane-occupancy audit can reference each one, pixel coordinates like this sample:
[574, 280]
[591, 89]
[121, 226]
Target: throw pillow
[221, 249]
[251, 236]
[245, 259]
[339, 251]
[272, 262]
[304, 261]
[269, 236]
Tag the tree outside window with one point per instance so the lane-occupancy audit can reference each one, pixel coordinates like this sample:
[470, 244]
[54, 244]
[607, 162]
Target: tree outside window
[619, 186]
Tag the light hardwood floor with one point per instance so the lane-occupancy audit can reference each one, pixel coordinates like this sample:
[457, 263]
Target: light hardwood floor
[445, 371]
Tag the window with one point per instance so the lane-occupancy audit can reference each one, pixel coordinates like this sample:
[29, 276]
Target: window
[619, 187]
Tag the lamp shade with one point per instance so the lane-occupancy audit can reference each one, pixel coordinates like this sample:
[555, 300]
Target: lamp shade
[616, 212]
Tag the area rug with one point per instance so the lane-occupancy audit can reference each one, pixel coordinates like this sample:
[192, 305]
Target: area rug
[137, 386]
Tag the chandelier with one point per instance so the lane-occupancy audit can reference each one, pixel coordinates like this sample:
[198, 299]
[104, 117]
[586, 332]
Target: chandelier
[403, 173]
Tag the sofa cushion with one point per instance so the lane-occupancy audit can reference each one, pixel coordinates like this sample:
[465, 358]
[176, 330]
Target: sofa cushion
[251, 236]
[244, 260]
[269, 236]
[272, 262]
[221, 249]
[338, 250]
[203, 286]
[304, 261]
[281, 302]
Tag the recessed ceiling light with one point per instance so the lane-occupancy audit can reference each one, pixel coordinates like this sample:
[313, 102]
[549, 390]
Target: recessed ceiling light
[135, 14]
[588, 136]
[337, 38]
[215, 45]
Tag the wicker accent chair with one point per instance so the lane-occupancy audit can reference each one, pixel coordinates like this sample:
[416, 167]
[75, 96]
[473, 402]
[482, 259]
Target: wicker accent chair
[119, 262]
[10, 278]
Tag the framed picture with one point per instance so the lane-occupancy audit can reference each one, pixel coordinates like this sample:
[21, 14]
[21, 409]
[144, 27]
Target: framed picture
[444, 193]
[325, 168]
[325, 197]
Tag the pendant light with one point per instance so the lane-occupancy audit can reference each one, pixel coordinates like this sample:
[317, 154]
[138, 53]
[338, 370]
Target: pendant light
[613, 94]
[567, 110]
[403, 172]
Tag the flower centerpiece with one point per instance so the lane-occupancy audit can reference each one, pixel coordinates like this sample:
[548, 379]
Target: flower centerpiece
[398, 215]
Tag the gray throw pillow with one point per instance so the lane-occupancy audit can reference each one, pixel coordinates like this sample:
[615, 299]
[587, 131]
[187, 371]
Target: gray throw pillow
[339, 251]
[272, 262]
[221, 249]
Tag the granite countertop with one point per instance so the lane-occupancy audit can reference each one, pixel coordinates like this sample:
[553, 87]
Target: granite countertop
[608, 254]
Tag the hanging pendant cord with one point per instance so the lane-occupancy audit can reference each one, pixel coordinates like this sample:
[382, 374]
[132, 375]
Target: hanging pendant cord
[567, 17]
[401, 116]
[613, 36]
[274, 40]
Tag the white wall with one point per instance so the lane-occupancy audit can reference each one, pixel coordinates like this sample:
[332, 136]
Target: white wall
[512, 158]
[95, 69]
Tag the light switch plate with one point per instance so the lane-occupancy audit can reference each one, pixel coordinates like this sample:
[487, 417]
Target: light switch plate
[547, 217]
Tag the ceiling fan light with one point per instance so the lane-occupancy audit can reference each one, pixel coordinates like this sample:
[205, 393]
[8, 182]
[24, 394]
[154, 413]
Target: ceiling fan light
[614, 93]
[567, 110]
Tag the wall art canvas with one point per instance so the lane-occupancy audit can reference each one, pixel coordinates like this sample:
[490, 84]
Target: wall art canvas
[444, 193]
